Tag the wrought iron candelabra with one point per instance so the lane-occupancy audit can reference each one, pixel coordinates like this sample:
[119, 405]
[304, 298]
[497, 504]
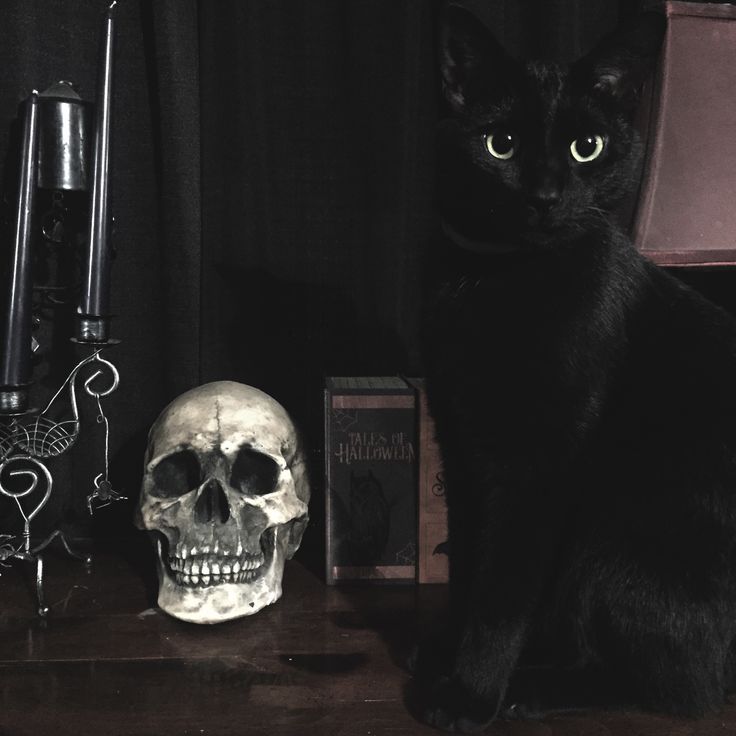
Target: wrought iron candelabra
[65, 154]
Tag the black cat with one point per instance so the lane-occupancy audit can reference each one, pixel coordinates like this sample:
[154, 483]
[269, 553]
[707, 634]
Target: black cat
[584, 399]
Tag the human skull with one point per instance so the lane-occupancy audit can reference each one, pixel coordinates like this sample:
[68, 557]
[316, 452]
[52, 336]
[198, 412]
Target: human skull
[225, 495]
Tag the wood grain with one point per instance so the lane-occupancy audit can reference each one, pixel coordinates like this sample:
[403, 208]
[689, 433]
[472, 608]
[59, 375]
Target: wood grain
[323, 660]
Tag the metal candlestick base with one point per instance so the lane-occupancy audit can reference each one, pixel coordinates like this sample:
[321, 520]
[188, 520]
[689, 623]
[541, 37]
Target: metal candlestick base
[33, 554]
[26, 440]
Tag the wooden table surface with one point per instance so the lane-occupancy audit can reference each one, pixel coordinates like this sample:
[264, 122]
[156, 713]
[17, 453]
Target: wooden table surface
[320, 661]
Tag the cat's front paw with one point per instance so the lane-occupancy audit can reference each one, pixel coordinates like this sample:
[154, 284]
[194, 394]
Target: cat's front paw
[453, 707]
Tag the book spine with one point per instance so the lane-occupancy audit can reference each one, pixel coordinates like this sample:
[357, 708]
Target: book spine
[432, 564]
[328, 484]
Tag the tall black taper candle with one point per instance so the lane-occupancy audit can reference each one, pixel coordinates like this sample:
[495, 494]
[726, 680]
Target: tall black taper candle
[94, 309]
[15, 361]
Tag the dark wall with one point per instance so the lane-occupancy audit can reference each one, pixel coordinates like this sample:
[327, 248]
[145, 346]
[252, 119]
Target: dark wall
[273, 181]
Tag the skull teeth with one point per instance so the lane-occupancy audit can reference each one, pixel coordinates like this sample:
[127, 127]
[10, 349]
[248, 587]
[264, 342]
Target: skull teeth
[191, 581]
[212, 550]
[205, 570]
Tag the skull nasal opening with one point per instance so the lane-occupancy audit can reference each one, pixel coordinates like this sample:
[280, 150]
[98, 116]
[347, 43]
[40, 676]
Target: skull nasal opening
[212, 505]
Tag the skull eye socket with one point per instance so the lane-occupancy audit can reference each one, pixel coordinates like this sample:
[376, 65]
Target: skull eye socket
[254, 473]
[176, 474]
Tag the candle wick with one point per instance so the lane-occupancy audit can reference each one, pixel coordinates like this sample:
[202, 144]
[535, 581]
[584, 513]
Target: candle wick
[112, 4]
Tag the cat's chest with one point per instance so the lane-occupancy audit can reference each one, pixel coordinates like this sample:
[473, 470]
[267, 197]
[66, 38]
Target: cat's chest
[517, 333]
[478, 316]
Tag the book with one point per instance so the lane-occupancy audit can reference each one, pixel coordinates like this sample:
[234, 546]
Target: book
[432, 560]
[371, 479]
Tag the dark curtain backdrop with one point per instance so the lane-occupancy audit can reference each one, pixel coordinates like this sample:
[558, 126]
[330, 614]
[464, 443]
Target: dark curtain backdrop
[273, 175]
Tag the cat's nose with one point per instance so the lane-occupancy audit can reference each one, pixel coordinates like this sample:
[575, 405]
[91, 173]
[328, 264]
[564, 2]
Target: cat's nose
[542, 200]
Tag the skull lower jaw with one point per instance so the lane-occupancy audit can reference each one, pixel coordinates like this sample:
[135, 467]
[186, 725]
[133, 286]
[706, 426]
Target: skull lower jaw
[210, 601]
[194, 568]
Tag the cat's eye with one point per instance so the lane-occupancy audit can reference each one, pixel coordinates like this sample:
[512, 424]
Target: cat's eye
[501, 144]
[587, 148]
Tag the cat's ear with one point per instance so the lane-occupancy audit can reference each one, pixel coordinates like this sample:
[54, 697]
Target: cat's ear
[618, 66]
[471, 60]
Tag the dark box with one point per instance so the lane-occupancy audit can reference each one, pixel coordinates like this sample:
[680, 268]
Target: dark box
[371, 479]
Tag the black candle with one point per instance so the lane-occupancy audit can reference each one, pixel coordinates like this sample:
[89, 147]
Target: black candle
[15, 361]
[94, 310]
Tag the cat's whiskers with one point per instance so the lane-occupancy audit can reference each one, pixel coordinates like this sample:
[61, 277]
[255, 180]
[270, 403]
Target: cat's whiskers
[464, 285]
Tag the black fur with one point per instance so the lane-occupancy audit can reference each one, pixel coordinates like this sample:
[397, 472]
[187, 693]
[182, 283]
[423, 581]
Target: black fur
[585, 404]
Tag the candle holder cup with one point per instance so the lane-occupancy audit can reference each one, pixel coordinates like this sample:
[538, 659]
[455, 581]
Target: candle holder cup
[14, 400]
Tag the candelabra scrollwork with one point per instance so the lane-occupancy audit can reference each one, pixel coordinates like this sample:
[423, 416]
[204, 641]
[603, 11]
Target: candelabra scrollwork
[44, 437]
[29, 439]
